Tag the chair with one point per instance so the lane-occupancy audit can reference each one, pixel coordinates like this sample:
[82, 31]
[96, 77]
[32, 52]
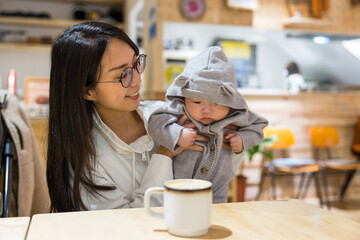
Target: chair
[284, 139]
[24, 190]
[356, 140]
[8, 170]
[323, 139]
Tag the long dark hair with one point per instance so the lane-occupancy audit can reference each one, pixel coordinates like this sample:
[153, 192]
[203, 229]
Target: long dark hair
[75, 66]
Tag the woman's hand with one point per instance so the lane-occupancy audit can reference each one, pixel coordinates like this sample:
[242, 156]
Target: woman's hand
[187, 137]
[184, 121]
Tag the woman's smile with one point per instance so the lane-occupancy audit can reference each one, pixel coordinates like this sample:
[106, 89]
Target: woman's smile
[134, 96]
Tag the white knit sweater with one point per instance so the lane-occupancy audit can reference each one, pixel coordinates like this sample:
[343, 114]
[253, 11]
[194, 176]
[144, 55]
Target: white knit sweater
[131, 168]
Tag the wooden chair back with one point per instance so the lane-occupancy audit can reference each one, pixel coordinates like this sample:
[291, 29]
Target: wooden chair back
[356, 139]
[284, 137]
[323, 137]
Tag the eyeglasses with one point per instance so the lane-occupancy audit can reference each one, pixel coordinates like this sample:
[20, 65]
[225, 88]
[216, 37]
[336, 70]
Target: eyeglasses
[127, 75]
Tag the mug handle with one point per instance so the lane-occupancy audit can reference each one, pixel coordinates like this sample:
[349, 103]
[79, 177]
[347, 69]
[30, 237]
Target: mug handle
[148, 193]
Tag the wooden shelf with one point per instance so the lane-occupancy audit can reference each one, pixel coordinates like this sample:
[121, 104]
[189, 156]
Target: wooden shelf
[61, 23]
[180, 54]
[25, 46]
[117, 2]
[306, 23]
[37, 22]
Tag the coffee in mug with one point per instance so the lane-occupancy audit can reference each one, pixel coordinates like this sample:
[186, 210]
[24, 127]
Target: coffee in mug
[187, 206]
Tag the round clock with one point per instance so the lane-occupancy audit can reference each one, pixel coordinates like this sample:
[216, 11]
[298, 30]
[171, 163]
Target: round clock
[192, 9]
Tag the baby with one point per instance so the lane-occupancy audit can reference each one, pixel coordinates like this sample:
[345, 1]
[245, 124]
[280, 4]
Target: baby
[206, 91]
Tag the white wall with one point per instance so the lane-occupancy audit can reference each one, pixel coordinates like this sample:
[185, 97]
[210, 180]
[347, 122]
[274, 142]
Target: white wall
[25, 63]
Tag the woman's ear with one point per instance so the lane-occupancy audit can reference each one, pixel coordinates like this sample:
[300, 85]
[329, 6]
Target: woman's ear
[89, 94]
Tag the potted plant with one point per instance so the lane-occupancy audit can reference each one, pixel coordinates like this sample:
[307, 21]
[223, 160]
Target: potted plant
[260, 148]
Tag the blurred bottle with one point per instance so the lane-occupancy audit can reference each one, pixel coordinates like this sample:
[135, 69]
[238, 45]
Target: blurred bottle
[319, 8]
[11, 81]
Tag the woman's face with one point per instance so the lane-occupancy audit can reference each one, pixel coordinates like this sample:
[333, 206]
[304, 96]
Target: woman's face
[110, 98]
[204, 111]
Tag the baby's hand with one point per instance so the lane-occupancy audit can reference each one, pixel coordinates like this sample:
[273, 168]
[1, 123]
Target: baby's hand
[235, 142]
[187, 137]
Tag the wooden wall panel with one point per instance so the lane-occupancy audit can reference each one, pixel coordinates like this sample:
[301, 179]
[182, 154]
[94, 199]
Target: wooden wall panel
[299, 112]
[216, 13]
[40, 129]
[153, 48]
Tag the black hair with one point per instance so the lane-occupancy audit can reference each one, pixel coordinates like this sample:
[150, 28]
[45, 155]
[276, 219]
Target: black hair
[75, 68]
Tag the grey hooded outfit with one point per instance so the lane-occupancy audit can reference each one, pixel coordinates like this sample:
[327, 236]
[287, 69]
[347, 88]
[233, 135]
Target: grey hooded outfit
[209, 76]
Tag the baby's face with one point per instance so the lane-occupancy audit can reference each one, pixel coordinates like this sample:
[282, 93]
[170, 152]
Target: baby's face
[204, 111]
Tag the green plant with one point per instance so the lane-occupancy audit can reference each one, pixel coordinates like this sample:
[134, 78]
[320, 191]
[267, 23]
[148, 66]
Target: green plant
[268, 141]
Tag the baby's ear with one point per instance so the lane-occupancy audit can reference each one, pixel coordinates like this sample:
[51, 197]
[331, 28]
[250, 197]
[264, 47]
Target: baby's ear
[182, 81]
[228, 88]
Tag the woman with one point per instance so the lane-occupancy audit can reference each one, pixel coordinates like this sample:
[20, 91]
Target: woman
[100, 155]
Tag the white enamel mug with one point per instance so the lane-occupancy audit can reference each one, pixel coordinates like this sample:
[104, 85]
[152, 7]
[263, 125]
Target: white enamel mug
[187, 206]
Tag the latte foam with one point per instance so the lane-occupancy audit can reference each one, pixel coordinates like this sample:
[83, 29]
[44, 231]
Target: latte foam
[188, 184]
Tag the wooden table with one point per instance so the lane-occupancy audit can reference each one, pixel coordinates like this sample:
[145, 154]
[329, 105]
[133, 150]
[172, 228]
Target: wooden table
[292, 219]
[14, 228]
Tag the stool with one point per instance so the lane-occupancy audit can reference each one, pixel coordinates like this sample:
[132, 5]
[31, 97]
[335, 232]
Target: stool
[323, 140]
[283, 139]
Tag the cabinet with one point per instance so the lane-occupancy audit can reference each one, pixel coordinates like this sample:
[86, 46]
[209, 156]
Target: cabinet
[309, 14]
[306, 23]
[30, 27]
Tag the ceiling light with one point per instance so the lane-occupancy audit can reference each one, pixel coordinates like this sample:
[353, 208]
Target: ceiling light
[321, 39]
